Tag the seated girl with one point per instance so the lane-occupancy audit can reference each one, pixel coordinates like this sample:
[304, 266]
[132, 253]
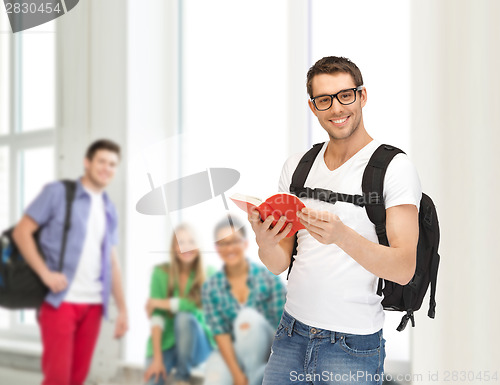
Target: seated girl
[180, 338]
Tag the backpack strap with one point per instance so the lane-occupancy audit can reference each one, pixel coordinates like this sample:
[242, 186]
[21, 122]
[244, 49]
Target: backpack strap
[329, 196]
[373, 186]
[297, 185]
[432, 301]
[294, 252]
[428, 216]
[302, 171]
[70, 187]
[299, 179]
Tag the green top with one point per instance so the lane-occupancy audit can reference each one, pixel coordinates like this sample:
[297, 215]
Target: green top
[159, 287]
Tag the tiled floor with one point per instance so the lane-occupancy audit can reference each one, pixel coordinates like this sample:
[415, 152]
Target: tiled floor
[18, 377]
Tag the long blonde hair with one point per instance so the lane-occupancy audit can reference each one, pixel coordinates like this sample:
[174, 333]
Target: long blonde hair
[173, 269]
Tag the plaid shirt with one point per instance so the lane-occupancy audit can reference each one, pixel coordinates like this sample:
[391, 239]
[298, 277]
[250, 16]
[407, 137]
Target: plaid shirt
[267, 296]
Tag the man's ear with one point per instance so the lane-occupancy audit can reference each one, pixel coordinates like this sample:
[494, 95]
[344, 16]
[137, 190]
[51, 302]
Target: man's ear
[311, 106]
[363, 97]
[86, 163]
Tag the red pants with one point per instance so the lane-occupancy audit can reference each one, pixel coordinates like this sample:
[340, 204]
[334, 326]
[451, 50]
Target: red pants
[69, 334]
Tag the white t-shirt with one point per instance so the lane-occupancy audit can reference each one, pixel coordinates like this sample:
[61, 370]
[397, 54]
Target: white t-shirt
[86, 286]
[327, 288]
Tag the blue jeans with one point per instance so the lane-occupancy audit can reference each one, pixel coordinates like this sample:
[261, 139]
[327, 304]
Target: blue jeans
[191, 348]
[252, 345]
[304, 355]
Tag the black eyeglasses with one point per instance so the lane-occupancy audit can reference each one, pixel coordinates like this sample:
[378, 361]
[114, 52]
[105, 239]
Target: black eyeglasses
[345, 97]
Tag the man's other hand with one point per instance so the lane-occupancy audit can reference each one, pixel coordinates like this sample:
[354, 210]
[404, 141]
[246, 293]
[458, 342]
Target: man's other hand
[121, 325]
[55, 281]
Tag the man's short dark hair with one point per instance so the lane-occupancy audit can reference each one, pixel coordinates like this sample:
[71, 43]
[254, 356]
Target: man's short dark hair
[331, 65]
[102, 144]
[230, 220]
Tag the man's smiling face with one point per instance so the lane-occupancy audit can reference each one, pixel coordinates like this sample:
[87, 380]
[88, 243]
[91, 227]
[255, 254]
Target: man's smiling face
[339, 121]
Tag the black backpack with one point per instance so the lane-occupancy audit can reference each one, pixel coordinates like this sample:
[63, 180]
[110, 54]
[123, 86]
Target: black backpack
[20, 286]
[407, 298]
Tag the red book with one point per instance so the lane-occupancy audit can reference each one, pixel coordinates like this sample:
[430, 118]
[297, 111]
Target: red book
[278, 205]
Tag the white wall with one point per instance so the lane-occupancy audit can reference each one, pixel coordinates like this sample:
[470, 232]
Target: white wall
[92, 101]
[455, 138]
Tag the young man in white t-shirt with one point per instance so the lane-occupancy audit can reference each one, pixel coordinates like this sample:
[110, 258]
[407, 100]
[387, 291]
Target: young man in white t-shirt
[331, 329]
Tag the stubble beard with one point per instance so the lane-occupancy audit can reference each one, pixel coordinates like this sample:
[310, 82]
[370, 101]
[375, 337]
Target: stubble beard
[347, 135]
[95, 181]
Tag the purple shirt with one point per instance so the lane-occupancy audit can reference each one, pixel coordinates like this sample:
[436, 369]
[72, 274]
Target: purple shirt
[48, 210]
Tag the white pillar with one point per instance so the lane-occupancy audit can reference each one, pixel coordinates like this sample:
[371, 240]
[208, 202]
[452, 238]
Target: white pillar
[298, 65]
[153, 122]
[92, 101]
[455, 139]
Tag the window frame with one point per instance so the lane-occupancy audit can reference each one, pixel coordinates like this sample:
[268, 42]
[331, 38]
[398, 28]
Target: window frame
[17, 141]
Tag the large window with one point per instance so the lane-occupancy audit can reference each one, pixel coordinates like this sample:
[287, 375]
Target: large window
[27, 133]
[232, 58]
[234, 99]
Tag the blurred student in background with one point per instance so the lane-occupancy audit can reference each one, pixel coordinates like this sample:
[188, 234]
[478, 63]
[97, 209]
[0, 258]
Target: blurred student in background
[180, 338]
[243, 304]
[79, 290]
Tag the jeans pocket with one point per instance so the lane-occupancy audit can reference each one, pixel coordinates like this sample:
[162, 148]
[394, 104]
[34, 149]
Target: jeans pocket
[361, 345]
[281, 331]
